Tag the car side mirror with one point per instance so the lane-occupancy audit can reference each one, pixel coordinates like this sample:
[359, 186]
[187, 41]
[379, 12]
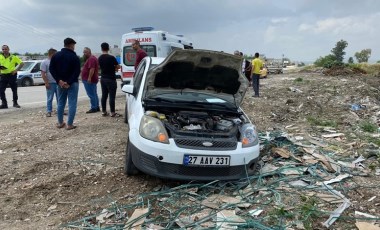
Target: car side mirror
[130, 89]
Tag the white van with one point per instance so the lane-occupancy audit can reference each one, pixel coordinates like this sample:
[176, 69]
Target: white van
[156, 43]
[30, 74]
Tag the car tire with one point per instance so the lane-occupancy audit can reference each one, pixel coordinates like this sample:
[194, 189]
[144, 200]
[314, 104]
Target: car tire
[26, 82]
[126, 114]
[129, 168]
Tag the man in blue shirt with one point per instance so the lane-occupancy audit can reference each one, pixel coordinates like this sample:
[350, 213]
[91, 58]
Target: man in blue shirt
[65, 69]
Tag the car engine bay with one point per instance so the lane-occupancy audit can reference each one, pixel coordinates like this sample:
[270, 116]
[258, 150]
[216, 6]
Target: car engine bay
[200, 124]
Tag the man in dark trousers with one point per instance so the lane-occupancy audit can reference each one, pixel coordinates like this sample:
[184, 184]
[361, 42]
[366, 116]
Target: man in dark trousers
[9, 65]
[108, 66]
[140, 53]
[65, 69]
[257, 65]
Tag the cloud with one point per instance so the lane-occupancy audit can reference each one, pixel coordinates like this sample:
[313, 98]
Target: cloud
[279, 20]
[344, 25]
[300, 29]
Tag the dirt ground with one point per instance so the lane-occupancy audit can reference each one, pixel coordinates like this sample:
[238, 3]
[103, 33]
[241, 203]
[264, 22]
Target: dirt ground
[51, 176]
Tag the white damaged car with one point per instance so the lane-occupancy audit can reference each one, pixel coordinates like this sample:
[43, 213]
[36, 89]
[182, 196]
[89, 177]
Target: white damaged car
[185, 120]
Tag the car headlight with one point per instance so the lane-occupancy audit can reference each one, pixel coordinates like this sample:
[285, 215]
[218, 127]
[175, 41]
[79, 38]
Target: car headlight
[249, 135]
[152, 129]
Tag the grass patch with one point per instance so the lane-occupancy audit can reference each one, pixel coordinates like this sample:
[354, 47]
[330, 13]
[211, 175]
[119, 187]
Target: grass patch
[298, 79]
[320, 122]
[376, 141]
[308, 67]
[369, 68]
[368, 127]
[279, 216]
[309, 211]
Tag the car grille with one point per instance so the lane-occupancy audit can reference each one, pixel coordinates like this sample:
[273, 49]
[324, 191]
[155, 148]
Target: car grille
[203, 171]
[198, 144]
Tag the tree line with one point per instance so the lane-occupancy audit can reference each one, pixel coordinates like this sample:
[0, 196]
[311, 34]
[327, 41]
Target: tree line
[337, 56]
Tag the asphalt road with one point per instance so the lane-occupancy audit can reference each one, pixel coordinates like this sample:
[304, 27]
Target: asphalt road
[35, 96]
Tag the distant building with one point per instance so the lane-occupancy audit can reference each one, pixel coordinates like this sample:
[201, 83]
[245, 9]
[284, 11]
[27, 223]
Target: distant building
[115, 51]
[27, 58]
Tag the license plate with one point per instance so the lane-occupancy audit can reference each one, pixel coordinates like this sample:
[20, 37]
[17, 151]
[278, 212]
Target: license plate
[202, 160]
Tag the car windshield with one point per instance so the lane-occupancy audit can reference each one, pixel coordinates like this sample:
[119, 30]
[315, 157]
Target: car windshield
[27, 66]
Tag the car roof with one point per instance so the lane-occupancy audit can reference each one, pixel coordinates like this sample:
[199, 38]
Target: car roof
[33, 61]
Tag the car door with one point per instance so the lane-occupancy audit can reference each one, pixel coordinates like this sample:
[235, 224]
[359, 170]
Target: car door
[133, 103]
[36, 74]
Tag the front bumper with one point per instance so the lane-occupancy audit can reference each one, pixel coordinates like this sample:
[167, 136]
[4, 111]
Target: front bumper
[153, 166]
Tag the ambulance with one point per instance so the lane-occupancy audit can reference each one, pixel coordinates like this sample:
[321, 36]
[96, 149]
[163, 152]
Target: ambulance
[156, 43]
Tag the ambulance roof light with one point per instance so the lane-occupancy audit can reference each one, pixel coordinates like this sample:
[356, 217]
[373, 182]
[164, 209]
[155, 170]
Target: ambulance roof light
[141, 29]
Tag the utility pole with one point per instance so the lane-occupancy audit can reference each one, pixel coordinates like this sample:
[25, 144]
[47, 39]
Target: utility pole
[282, 60]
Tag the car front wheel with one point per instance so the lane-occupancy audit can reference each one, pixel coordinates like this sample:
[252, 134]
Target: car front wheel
[126, 114]
[129, 168]
[27, 82]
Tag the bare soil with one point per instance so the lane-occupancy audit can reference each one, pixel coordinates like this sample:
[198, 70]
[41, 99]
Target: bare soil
[51, 176]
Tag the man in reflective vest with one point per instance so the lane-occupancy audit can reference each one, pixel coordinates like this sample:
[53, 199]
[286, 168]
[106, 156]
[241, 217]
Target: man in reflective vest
[9, 65]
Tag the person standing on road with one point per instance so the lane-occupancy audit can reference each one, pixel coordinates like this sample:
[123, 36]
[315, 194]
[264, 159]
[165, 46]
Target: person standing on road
[50, 83]
[65, 69]
[90, 79]
[140, 53]
[257, 65]
[10, 64]
[108, 66]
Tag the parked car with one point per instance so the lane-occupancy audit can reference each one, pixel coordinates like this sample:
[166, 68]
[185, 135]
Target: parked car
[264, 72]
[30, 74]
[185, 120]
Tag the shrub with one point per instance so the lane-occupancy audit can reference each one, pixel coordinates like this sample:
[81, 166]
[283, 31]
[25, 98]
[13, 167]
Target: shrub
[326, 61]
[320, 122]
[368, 127]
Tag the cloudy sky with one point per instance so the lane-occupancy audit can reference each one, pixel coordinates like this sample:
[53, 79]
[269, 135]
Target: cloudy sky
[301, 30]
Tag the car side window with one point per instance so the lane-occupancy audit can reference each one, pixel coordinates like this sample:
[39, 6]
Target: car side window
[36, 68]
[139, 75]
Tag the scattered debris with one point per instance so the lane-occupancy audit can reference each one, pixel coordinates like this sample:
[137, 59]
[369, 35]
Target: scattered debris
[255, 212]
[333, 135]
[336, 179]
[366, 226]
[342, 71]
[362, 214]
[281, 152]
[137, 218]
[227, 219]
[288, 172]
[372, 198]
[293, 89]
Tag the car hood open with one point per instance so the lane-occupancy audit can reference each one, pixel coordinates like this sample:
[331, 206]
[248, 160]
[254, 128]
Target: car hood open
[203, 71]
